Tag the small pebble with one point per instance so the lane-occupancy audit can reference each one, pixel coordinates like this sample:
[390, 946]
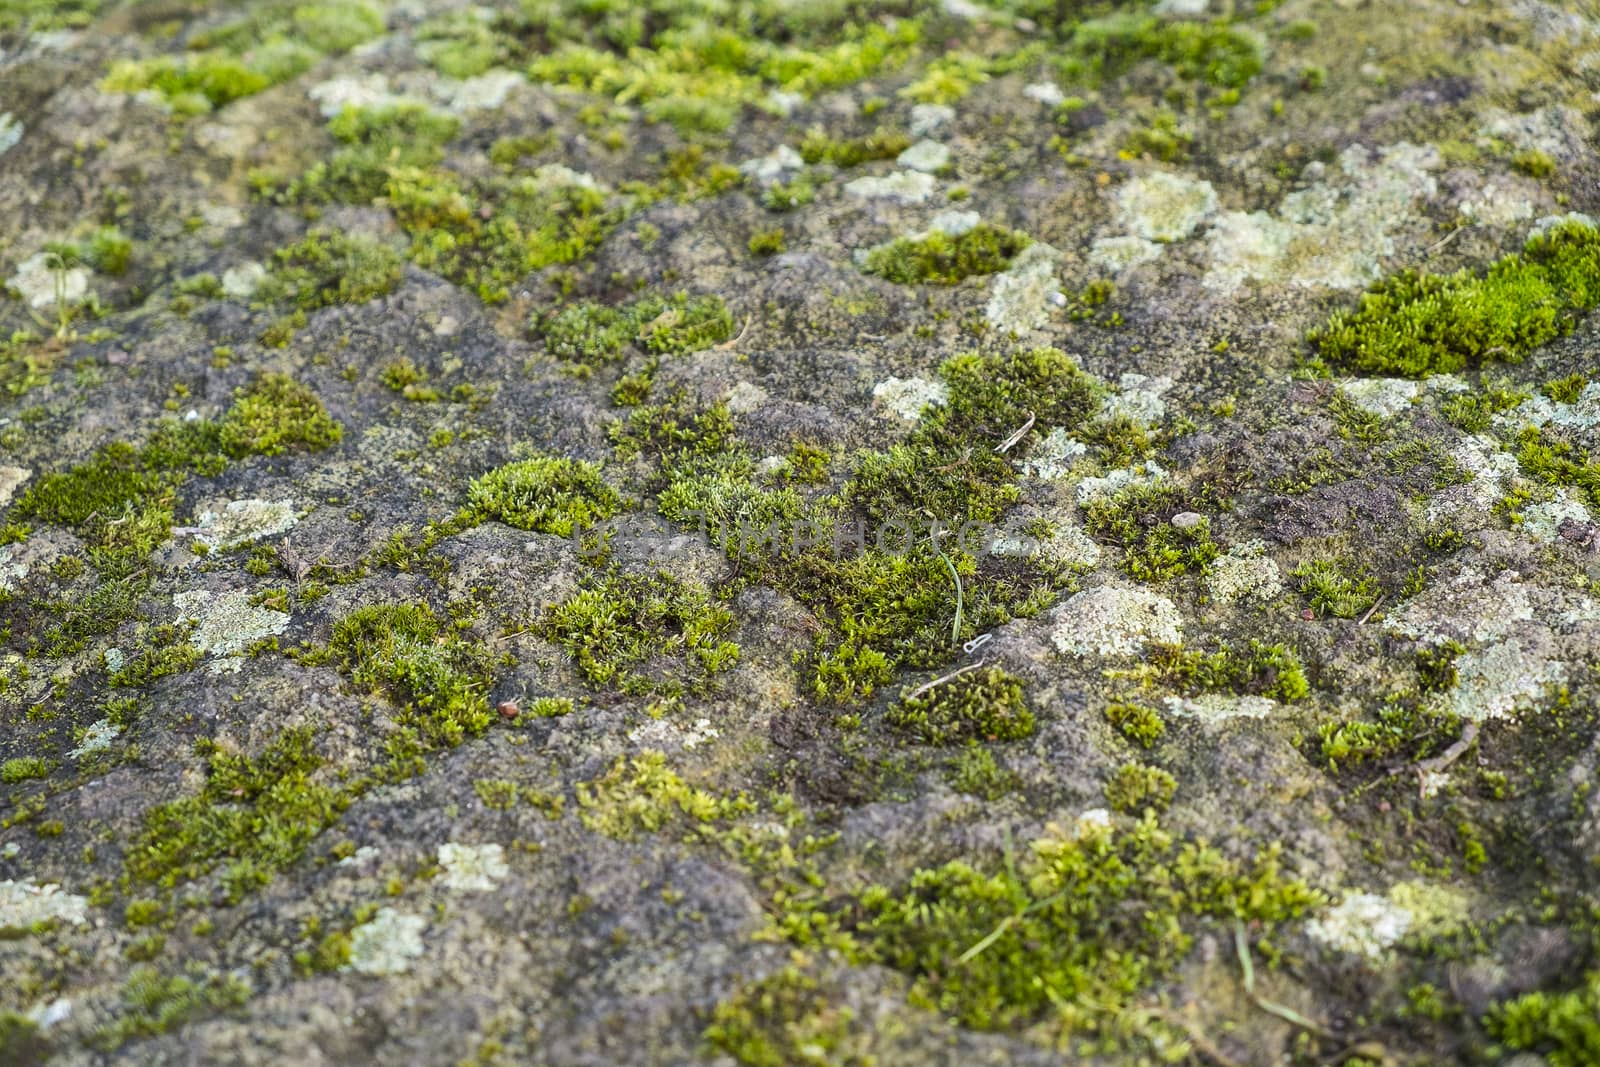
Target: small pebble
[508, 709]
[1187, 520]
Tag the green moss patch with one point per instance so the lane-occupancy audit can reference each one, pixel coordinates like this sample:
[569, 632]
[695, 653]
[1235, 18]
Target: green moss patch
[1260, 670]
[1138, 520]
[645, 795]
[328, 267]
[1137, 787]
[1413, 325]
[255, 814]
[1069, 932]
[938, 258]
[546, 494]
[438, 676]
[596, 334]
[644, 633]
[981, 705]
[274, 415]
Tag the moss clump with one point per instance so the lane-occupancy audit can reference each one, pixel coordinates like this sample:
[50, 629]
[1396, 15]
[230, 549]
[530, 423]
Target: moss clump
[1264, 670]
[1139, 724]
[1138, 519]
[643, 634]
[1136, 787]
[164, 650]
[461, 44]
[595, 334]
[1549, 459]
[1335, 587]
[767, 243]
[154, 1003]
[1403, 725]
[22, 768]
[1563, 1026]
[490, 236]
[644, 795]
[255, 814]
[120, 501]
[936, 257]
[375, 143]
[328, 267]
[437, 675]
[1474, 411]
[981, 705]
[274, 415]
[546, 494]
[977, 773]
[948, 465]
[1219, 54]
[1069, 933]
[1566, 390]
[782, 1020]
[818, 147]
[672, 433]
[265, 46]
[1413, 325]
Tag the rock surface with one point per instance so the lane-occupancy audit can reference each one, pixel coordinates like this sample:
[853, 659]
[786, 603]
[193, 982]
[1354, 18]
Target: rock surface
[772, 533]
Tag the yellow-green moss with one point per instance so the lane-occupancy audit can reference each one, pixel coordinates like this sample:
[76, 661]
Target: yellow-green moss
[274, 415]
[941, 259]
[545, 494]
[982, 705]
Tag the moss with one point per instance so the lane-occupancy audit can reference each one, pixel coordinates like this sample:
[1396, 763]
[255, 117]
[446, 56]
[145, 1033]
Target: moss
[1548, 458]
[948, 465]
[255, 814]
[679, 67]
[193, 84]
[375, 144]
[1413, 325]
[1067, 934]
[1566, 390]
[1534, 163]
[939, 258]
[1163, 139]
[1563, 1026]
[154, 1003]
[644, 795]
[981, 705]
[436, 674]
[329, 267]
[643, 634]
[1336, 587]
[1139, 724]
[977, 773]
[767, 243]
[786, 196]
[672, 433]
[276, 414]
[461, 44]
[1474, 411]
[163, 651]
[1264, 670]
[491, 236]
[546, 494]
[22, 768]
[1221, 55]
[1138, 520]
[120, 501]
[782, 1020]
[818, 147]
[22, 1042]
[1137, 787]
